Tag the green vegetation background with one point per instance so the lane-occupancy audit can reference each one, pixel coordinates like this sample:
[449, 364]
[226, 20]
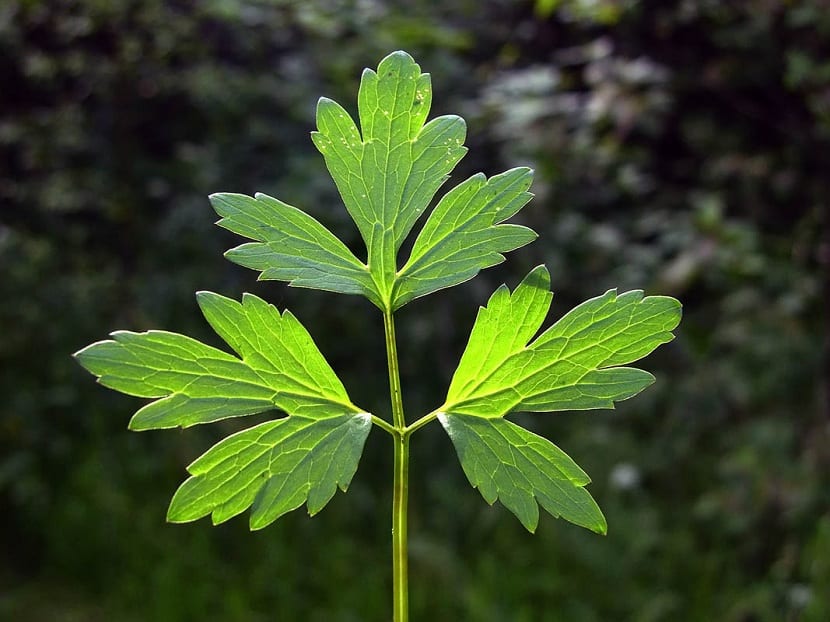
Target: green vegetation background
[680, 147]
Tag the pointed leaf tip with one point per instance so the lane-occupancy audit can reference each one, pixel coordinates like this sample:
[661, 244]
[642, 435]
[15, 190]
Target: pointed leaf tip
[538, 277]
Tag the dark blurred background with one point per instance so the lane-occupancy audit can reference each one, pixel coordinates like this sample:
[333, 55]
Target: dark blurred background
[680, 147]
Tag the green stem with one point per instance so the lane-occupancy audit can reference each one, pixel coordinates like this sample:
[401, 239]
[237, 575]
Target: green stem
[400, 489]
[394, 375]
[420, 423]
[384, 425]
[400, 574]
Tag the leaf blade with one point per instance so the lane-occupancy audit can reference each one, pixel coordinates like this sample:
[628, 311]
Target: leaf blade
[273, 468]
[502, 328]
[279, 367]
[575, 364]
[387, 168]
[537, 474]
[290, 245]
[388, 172]
[465, 234]
[568, 362]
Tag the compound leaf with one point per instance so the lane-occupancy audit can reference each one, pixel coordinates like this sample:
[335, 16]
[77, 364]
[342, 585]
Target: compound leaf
[273, 468]
[506, 462]
[276, 466]
[463, 234]
[290, 245]
[575, 364]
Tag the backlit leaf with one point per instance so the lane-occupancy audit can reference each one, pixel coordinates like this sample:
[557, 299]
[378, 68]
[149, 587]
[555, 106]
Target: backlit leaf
[387, 170]
[276, 466]
[576, 364]
[463, 234]
[273, 468]
[573, 365]
[279, 367]
[506, 462]
[290, 245]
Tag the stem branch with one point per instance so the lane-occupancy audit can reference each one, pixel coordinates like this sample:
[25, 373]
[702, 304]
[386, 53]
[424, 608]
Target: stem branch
[420, 423]
[384, 425]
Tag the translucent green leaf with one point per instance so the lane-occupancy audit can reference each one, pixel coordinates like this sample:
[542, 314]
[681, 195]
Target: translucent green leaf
[463, 234]
[508, 463]
[388, 172]
[279, 367]
[573, 365]
[274, 468]
[290, 245]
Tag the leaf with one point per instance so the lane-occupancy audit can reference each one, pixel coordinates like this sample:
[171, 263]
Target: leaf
[279, 367]
[274, 468]
[506, 462]
[463, 234]
[575, 364]
[388, 172]
[290, 245]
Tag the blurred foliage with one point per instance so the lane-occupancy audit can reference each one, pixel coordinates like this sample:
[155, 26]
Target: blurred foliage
[679, 147]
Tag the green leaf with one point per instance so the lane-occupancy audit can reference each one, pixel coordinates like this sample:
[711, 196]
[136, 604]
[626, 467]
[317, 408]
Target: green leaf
[290, 245]
[279, 367]
[575, 364]
[388, 172]
[506, 462]
[274, 468]
[463, 234]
